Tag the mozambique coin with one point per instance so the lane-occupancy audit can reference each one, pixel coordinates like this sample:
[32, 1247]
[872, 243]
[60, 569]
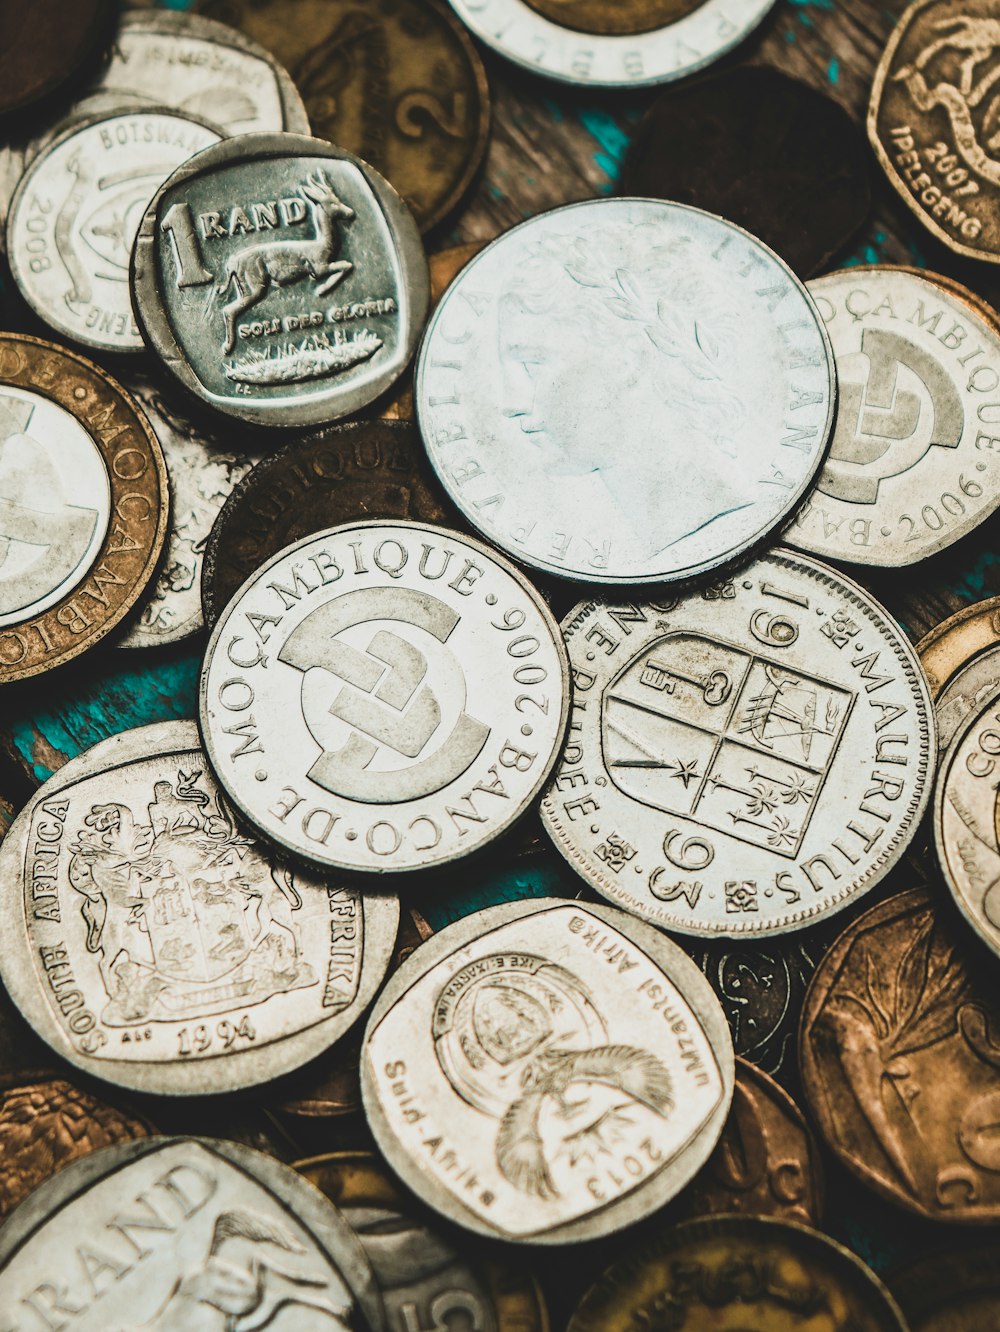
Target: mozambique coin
[624, 18]
[764, 150]
[183, 1233]
[384, 696]
[83, 505]
[899, 1063]
[46, 43]
[961, 659]
[75, 214]
[547, 1071]
[367, 469]
[747, 759]
[750, 1274]
[396, 82]
[243, 970]
[931, 121]
[425, 1280]
[626, 309]
[953, 1291]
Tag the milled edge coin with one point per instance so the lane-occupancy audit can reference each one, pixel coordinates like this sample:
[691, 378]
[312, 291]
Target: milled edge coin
[957, 647]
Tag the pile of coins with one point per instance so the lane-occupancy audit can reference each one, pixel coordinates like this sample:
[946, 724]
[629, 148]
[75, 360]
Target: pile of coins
[524, 547]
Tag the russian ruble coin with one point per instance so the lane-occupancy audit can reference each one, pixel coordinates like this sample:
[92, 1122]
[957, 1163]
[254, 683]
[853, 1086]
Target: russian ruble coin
[547, 1071]
[83, 505]
[75, 214]
[384, 696]
[961, 659]
[747, 759]
[183, 1233]
[654, 313]
[243, 968]
[280, 279]
[915, 460]
[46, 44]
[951, 1290]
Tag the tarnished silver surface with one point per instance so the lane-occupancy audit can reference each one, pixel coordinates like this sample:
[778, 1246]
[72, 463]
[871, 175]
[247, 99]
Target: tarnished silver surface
[384, 696]
[915, 459]
[661, 395]
[281, 279]
[189, 1234]
[748, 759]
[152, 943]
[547, 1071]
[203, 473]
[75, 214]
[517, 31]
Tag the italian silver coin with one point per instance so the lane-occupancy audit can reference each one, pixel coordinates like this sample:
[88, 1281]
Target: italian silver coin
[661, 393]
[282, 280]
[193, 1233]
[915, 460]
[747, 759]
[153, 944]
[384, 696]
[547, 1071]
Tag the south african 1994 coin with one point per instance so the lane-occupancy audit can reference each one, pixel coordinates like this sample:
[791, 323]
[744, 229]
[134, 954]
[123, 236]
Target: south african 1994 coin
[626, 310]
[154, 944]
[384, 696]
[547, 1071]
[747, 759]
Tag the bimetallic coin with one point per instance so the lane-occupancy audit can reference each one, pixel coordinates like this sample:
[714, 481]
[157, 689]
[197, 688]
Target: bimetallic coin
[75, 214]
[953, 1291]
[46, 43]
[961, 659]
[614, 18]
[748, 1274]
[629, 310]
[243, 969]
[748, 759]
[83, 505]
[384, 696]
[183, 1233]
[547, 1071]
[280, 279]
[915, 459]
[899, 1061]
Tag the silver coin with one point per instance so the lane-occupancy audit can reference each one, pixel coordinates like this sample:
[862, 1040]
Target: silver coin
[203, 473]
[182, 1233]
[748, 759]
[518, 32]
[547, 1071]
[75, 214]
[658, 398]
[915, 459]
[281, 280]
[154, 945]
[384, 696]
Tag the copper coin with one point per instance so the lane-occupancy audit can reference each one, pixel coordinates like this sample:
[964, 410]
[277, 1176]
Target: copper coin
[46, 1125]
[961, 659]
[369, 469]
[761, 149]
[900, 1061]
[767, 1162]
[396, 82]
[83, 505]
[954, 1291]
[46, 43]
[614, 18]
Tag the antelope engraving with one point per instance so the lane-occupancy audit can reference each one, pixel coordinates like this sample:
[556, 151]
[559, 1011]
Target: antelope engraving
[282, 263]
[978, 38]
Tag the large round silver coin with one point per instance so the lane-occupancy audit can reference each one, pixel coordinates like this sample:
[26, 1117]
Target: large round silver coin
[282, 280]
[915, 459]
[746, 760]
[547, 1071]
[75, 214]
[183, 1233]
[152, 943]
[626, 391]
[384, 696]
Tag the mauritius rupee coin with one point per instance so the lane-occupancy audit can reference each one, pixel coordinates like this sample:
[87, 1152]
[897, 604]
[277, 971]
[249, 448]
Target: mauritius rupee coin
[280, 279]
[547, 1071]
[74, 217]
[915, 459]
[243, 969]
[384, 696]
[746, 760]
[183, 1233]
[637, 311]
[83, 505]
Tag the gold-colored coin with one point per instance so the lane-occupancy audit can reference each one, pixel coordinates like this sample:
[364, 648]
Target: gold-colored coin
[961, 659]
[614, 18]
